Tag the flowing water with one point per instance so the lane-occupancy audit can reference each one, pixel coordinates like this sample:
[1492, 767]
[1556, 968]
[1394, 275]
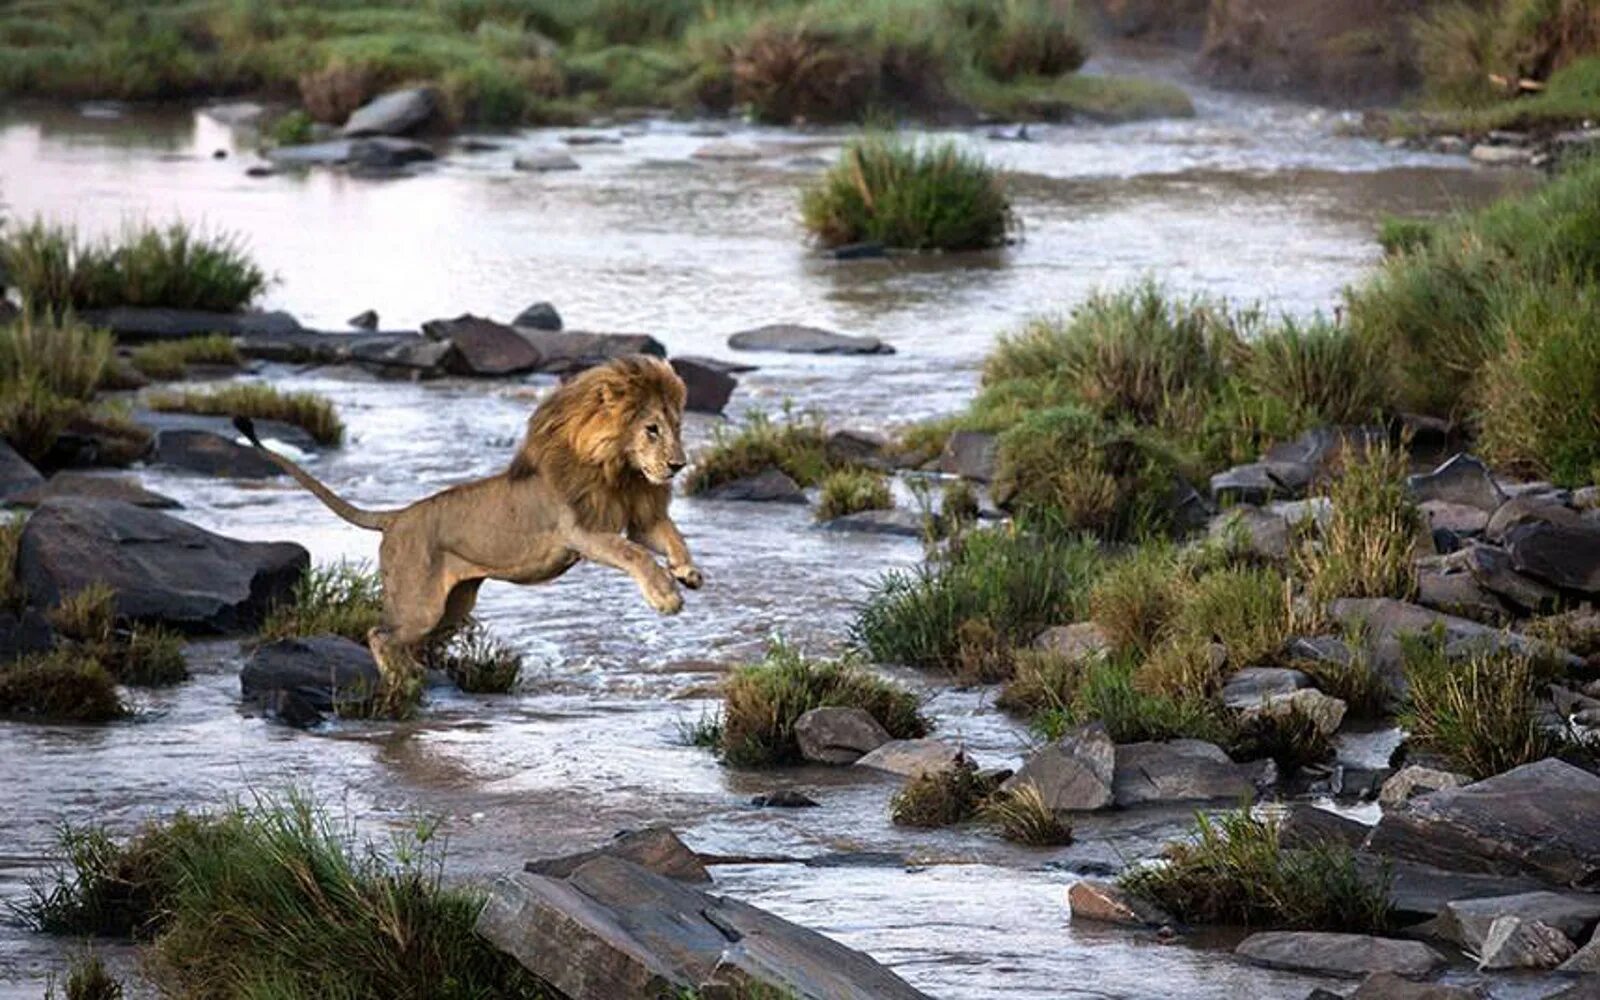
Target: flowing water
[1253, 199]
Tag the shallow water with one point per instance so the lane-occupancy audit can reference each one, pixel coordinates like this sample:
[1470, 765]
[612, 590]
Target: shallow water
[1254, 200]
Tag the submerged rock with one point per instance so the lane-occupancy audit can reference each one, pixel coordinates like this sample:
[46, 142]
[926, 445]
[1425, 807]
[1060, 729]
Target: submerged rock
[794, 339]
[656, 848]
[786, 798]
[371, 154]
[1339, 954]
[1388, 986]
[299, 680]
[766, 486]
[398, 112]
[897, 522]
[838, 735]
[727, 152]
[541, 161]
[483, 347]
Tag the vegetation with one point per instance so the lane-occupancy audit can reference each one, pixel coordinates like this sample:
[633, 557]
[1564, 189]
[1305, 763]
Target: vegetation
[796, 446]
[1109, 693]
[1480, 715]
[953, 795]
[1236, 871]
[88, 979]
[850, 491]
[305, 410]
[1473, 56]
[49, 371]
[170, 359]
[1367, 545]
[477, 662]
[137, 655]
[1023, 815]
[909, 195]
[339, 599]
[1291, 739]
[60, 686]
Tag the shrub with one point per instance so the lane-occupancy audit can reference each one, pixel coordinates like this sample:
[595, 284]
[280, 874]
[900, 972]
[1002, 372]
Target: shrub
[786, 72]
[1246, 610]
[1321, 370]
[1012, 582]
[797, 446]
[1033, 38]
[306, 410]
[49, 369]
[136, 655]
[477, 662]
[340, 599]
[1136, 596]
[61, 686]
[1237, 871]
[762, 702]
[1023, 815]
[909, 195]
[331, 92]
[87, 979]
[1397, 235]
[1108, 694]
[1480, 715]
[293, 129]
[1355, 682]
[1366, 547]
[953, 795]
[849, 491]
[170, 359]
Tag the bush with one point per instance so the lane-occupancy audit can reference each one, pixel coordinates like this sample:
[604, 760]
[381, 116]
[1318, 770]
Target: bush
[1009, 581]
[762, 702]
[49, 370]
[910, 195]
[1108, 694]
[1246, 610]
[850, 491]
[1136, 596]
[1367, 545]
[1022, 815]
[306, 410]
[1236, 871]
[61, 686]
[1480, 715]
[170, 359]
[1033, 38]
[942, 798]
[1321, 370]
[292, 129]
[1362, 689]
[136, 655]
[1397, 235]
[340, 599]
[797, 446]
[477, 662]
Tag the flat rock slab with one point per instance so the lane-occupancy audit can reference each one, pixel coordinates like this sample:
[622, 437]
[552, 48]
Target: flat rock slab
[1350, 955]
[1419, 892]
[161, 569]
[1415, 779]
[1249, 687]
[794, 339]
[565, 351]
[1183, 771]
[212, 455]
[17, 475]
[84, 484]
[1563, 555]
[132, 325]
[1388, 986]
[912, 758]
[1467, 921]
[656, 848]
[395, 113]
[1074, 773]
[1463, 480]
[543, 161]
[1260, 482]
[374, 153]
[614, 930]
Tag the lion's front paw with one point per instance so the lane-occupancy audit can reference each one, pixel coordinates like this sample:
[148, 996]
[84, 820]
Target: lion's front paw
[689, 575]
[663, 595]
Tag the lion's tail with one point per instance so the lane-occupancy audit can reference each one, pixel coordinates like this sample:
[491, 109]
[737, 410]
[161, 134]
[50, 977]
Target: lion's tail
[374, 520]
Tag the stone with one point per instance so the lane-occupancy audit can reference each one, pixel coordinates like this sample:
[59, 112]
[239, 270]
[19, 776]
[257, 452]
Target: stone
[1565, 556]
[1314, 512]
[1385, 620]
[865, 250]
[371, 154]
[614, 930]
[1265, 535]
[1307, 826]
[308, 677]
[413, 356]
[133, 325]
[17, 474]
[1469, 922]
[1260, 482]
[708, 387]
[848, 447]
[727, 152]
[1073, 774]
[655, 848]
[786, 798]
[1183, 771]
[1526, 510]
[235, 113]
[484, 347]
[1249, 687]
[1321, 449]
[269, 430]
[896, 522]
[399, 112]
[1077, 641]
[790, 338]
[767, 486]
[1388, 986]
[1460, 594]
[1325, 711]
[970, 455]
[838, 735]
[1463, 480]
[542, 161]
[912, 758]
[1414, 779]
[24, 631]
[161, 569]
[211, 455]
[84, 484]
[1537, 819]
[1516, 943]
[539, 316]
[1108, 903]
[1456, 518]
[1585, 961]
[569, 351]
[1492, 569]
[364, 320]
[1349, 955]
[1502, 156]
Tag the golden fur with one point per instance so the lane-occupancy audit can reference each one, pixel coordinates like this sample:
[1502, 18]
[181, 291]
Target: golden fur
[591, 480]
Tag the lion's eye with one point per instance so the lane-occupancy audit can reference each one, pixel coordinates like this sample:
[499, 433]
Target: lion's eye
[653, 430]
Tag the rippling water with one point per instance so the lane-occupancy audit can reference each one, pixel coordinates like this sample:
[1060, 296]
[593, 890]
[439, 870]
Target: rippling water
[1254, 200]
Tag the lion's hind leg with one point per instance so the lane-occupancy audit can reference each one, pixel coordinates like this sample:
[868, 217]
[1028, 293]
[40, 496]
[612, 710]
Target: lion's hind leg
[414, 604]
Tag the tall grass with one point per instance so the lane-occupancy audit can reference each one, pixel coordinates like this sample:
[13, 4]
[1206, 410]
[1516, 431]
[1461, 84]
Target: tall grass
[49, 370]
[1367, 546]
[795, 445]
[60, 686]
[136, 654]
[1109, 692]
[170, 359]
[1481, 715]
[850, 491]
[1320, 369]
[313, 413]
[343, 599]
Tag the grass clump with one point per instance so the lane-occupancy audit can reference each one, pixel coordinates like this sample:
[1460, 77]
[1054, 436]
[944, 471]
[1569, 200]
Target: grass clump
[1041, 681]
[796, 445]
[88, 979]
[1366, 547]
[1292, 739]
[1108, 693]
[1237, 871]
[1023, 816]
[850, 491]
[136, 655]
[1481, 715]
[1319, 369]
[49, 371]
[306, 410]
[170, 359]
[477, 662]
[344, 599]
[762, 702]
[1463, 48]
[909, 195]
[60, 686]
[946, 797]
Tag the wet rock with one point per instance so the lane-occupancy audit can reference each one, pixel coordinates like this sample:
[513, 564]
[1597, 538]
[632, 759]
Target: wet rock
[1493, 570]
[23, 632]
[371, 154]
[791, 338]
[1585, 961]
[1469, 922]
[1260, 482]
[133, 325]
[565, 352]
[399, 112]
[1460, 594]
[17, 475]
[542, 161]
[365, 320]
[1536, 819]
[766, 486]
[301, 679]
[1516, 943]
[786, 798]
[654, 848]
[727, 152]
[709, 387]
[847, 447]
[1564, 555]
[1457, 518]
[484, 347]
[162, 569]
[1183, 771]
[1415, 779]
[1249, 687]
[1388, 986]
[896, 522]
[837, 735]
[1265, 535]
[911, 758]
[270, 430]
[1077, 641]
[1308, 826]
[1339, 954]
[82, 484]
[407, 355]
[1502, 156]
[613, 929]
[1108, 903]
[970, 455]
[1462, 480]
[539, 316]
[1326, 711]
[211, 455]
[1073, 774]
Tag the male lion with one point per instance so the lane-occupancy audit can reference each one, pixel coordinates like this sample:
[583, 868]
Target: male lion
[592, 480]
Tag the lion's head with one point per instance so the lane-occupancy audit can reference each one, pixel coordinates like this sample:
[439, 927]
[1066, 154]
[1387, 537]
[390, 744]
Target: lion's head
[617, 427]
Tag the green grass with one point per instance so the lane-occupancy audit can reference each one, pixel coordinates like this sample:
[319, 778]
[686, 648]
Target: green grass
[1023, 816]
[1108, 692]
[307, 410]
[344, 599]
[762, 702]
[1097, 98]
[88, 979]
[1292, 739]
[796, 445]
[170, 359]
[1321, 370]
[292, 129]
[850, 491]
[477, 662]
[1246, 610]
[909, 194]
[1235, 870]
[49, 371]
[135, 654]
[1041, 681]
[1367, 546]
[1481, 715]
[933, 799]
[60, 686]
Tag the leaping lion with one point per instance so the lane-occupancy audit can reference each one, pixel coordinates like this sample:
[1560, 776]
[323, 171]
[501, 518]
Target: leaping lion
[592, 480]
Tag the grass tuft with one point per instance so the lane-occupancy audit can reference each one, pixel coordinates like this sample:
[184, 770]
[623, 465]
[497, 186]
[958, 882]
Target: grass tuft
[88, 979]
[343, 599]
[477, 662]
[1480, 715]
[797, 446]
[307, 410]
[170, 359]
[1367, 546]
[1023, 816]
[953, 795]
[850, 491]
[60, 686]
[136, 655]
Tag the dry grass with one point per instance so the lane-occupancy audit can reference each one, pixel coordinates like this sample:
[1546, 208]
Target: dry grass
[307, 410]
[1481, 716]
[170, 359]
[942, 798]
[1022, 815]
[1367, 547]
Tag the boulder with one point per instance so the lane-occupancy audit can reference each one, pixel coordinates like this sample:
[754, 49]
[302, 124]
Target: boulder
[896, 522]
[1563, 555]
[1108, 903]
[301, 679]
[211, 455]
[368, 154]
[1325, 711]
[709, 387]
[848, 447]
[566, 352]
[1308, 826]
[838, 735]
[541, 161]
[1321, 449]
[1264, 534]
[1339, 954]
[483, 347]
[406, 355]
[1419, 892]
[1073, 774]
[1468, 922]
[1384, 621]
[539, 316]
[1502, 156]
[970, 455]
[1314, 512]
[1073, 642]
[162, 569]
[1517, 943]
[1586, 960]
[1260, 482]
[912, 758]
[133, 325]
[17, 475]
[1249, 687]
[655, 848]
[1457, 518]
[1183, 771]
[767, 486]
[399, 112]
[1460, 594]
[1493, 570]
[613, 930]
[367, 319]
[1528, 510]
[24, 631]
[84, 484]
[1537, 819]
[1388, 986]
[727, 152]
[1462, 480]
[1414, 779]
[269, 430]
[790, 338]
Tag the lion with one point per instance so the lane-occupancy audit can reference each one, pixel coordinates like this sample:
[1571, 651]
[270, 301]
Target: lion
[591, 480]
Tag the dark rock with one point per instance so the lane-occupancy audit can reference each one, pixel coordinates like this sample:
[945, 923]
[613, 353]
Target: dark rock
[1516, 943]
[1460, 594]
[398, 112]
[1308, 826]
[970, 455]
[1459, 519]
[1415, 780]
[856, 251]
[81, 484]
[1108, 903]
[1420, 892]
[367, 320]
[17, 475]
[793, 339]
[1249, 687]
[544, 161]
[573, 351]
[1467, 922]
[1322, 448]
[484, 347]
[709, 388]
[271, 430]
[1462, 480]
[1324, 710]
[133, 325]
[1528, 510]
[212, 455]
[162, 569]
[1184, 771]
[1339, 954]
[370, 154]
[23, 632]
[1388, 986]
[838, 735]
[292, 709]
[722, 365]
[897, 522]
[1265, 534]
[654, 848]
[539, 316]
[856, 448]
[766, 486]
[324, 673]
[910, 758]
[1492, 569]
[786, 798]
[413, 355]
[1537, 819]
[1073, 774]
[1260, 482]
[1586, 962]
[1566, 556]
